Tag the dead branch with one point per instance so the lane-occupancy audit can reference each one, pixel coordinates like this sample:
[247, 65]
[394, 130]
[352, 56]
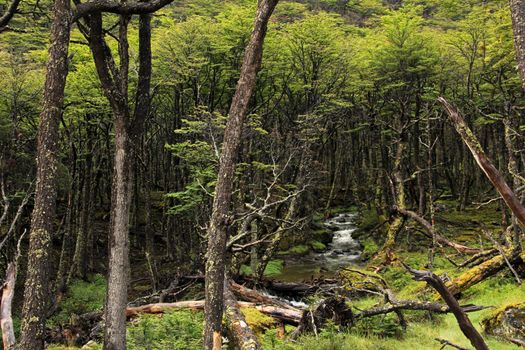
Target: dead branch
[446, 343]
[463, 321]
[460, 248]
[484, 162]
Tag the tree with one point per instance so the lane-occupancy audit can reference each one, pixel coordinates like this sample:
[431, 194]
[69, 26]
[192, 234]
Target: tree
[219, 222]
[517, 8]
[37, 284]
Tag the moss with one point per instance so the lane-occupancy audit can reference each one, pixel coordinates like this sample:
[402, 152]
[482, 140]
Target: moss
[317, 246]
[370, 248]
[300, 249]
[323, 235]
[274, 267]
[257, 321]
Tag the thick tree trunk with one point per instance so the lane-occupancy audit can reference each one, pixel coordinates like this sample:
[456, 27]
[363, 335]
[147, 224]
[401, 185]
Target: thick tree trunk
[517, 9]
[218, 231]
[118, 265]
[37, 285]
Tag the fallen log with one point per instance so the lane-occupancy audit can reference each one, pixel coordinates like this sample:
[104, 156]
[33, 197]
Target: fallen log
[333, 309]
[415, 305]
[463, 321]
[431, 231]
[289, 316]
[255, 296]
[240, 332]
[480, 272]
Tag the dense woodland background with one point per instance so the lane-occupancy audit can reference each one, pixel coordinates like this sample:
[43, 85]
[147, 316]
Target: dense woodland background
[344, 117]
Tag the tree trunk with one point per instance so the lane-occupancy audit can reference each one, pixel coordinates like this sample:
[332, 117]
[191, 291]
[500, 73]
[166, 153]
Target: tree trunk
[6, 319]
[517, 9]
[37, 285]
[484, 162]
[118, 265]
[240, 332]
[218, 231]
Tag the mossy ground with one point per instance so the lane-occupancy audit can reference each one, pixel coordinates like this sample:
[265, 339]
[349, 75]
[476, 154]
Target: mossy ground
[184, 328]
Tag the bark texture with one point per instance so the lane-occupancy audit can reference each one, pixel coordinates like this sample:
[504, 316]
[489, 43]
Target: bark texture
[517, 9]
[218, 231]
[6, 320]
[37, 285]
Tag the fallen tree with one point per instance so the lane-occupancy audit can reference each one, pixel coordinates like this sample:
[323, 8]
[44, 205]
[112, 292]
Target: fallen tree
[491, 266]
[463, 321]
[286, 315]
[239, 331]
[431, 232]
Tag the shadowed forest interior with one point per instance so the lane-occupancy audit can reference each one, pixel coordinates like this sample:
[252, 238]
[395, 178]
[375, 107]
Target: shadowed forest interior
[281, 175]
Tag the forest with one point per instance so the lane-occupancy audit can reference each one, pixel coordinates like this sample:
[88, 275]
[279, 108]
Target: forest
[277, 175]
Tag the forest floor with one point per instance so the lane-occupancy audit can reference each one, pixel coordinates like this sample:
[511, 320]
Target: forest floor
[183, 329]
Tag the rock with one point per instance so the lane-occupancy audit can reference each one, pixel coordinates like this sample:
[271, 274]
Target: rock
[324, 236]
[507, 323]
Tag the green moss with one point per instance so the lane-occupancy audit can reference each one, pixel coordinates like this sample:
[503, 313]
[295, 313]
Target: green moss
[300, 249]
[317, 246]
[274, 267]
[323, 235]
[370, 247]
[257, 321]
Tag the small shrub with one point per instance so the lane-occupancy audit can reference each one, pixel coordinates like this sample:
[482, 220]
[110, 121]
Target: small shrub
[178, 330]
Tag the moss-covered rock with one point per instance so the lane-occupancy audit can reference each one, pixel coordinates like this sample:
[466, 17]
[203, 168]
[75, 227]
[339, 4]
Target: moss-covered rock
[298, 250]
[257, 321]
[317, 246]
[323, 235]
[507, 322]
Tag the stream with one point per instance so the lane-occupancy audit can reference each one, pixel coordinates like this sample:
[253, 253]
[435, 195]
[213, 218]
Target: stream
[344, 250]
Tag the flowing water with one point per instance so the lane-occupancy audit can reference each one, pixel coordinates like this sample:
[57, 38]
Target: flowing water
[343, 251]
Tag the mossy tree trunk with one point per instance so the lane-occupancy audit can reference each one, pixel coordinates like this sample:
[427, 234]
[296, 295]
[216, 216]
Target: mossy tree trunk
[37, 284]
[219, 222]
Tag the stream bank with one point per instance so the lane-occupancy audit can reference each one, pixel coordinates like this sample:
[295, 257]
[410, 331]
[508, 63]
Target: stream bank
[343, 250]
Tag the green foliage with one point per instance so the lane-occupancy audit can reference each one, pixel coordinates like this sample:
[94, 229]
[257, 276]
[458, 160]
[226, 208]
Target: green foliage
[82, 297]
[178, 330]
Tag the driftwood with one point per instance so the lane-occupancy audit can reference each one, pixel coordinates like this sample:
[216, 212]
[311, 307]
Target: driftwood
[240, 332]
[463, 321]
